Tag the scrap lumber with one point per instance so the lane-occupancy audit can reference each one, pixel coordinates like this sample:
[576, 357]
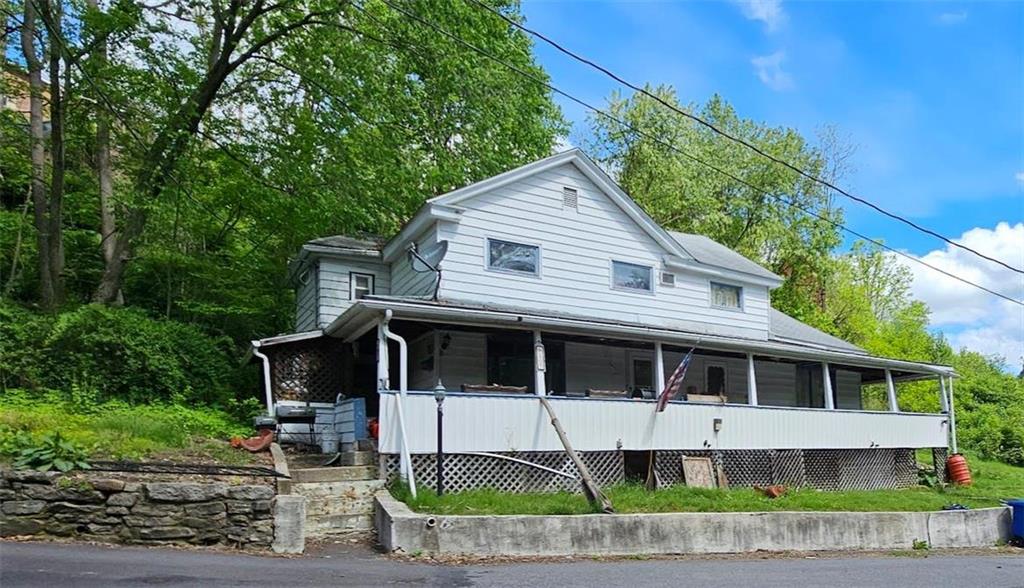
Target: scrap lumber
[590, 489]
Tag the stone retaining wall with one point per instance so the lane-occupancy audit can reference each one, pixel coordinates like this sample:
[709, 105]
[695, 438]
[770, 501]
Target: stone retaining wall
[112, 509]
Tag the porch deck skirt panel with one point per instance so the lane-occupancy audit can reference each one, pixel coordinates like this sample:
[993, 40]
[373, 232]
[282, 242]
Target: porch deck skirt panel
[822, 469]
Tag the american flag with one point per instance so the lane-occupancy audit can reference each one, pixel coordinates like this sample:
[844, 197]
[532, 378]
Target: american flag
[675, 381]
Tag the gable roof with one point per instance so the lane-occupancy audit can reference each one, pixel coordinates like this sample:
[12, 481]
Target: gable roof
[677, 245]
[710, 252]
[588, 168]
[345, 244]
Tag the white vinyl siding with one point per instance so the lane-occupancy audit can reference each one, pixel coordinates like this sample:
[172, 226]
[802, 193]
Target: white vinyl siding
[335, 289]
[305, 301]
[578, 247]
[407, 282]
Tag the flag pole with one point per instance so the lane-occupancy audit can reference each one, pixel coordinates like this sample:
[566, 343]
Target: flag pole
[671, 387]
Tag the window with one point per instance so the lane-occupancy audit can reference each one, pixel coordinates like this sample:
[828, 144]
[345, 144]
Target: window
[513, 257]
[726, 296]
[631, 276]
[360, 285]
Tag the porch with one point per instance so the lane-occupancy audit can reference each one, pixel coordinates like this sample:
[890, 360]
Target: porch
[767, 411]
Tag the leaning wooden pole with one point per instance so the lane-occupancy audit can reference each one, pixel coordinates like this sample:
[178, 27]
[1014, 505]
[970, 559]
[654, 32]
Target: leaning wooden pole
[590, 489]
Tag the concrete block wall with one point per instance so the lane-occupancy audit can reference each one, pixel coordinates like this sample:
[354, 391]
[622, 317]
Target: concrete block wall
[401, 530]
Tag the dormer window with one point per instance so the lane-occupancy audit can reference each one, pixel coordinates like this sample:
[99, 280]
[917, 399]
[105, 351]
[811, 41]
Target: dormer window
[632, 276]
[507, 256]
[360, 285]
[726, 296]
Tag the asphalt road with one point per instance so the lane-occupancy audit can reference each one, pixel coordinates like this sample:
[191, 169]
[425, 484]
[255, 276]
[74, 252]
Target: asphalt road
[72, 565]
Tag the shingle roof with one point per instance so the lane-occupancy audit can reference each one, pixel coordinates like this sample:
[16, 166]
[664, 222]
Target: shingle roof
[710, 252]
[369, 243]
[783, 327]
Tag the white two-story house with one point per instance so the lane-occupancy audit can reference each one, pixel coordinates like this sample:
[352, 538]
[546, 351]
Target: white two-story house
[550, 280]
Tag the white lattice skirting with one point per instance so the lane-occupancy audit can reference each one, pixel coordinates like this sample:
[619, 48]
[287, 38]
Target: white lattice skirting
[824, 469]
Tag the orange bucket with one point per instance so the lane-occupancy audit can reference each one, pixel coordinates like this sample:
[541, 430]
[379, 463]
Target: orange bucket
[957, 470]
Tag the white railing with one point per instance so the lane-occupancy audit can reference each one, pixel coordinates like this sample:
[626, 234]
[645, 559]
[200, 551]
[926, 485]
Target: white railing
[498, 422]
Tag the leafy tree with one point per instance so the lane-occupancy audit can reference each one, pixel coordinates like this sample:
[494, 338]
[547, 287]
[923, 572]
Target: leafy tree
[685, 195]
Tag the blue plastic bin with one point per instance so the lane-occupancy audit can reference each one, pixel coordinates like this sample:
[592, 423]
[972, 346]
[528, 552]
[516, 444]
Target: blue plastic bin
[1017, 529]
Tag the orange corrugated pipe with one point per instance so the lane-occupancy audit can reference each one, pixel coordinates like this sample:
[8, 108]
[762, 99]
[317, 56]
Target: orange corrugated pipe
[957, 470]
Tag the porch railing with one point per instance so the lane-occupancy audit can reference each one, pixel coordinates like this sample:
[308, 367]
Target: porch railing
[515, 422]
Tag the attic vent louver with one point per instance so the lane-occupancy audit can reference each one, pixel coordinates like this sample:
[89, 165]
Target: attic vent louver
[668, 279]
[570, 199]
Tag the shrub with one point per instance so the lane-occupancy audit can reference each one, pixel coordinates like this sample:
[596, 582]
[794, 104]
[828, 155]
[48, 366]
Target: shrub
[124, 354]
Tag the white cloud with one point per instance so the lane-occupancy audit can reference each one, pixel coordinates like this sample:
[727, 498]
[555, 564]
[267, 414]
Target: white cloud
[769, 71]
[952, 18]
[1019, 176]
[971, 317]
[767, 11]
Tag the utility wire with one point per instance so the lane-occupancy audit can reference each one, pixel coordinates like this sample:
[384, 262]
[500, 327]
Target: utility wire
[694, 158]
[734, 138]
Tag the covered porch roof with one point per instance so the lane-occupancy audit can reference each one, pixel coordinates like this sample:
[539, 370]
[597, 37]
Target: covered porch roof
[363, 314]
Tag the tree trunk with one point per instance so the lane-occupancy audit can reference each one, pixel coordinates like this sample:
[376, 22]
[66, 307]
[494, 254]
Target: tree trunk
[55, 208]
[40, 210]
[104, 170]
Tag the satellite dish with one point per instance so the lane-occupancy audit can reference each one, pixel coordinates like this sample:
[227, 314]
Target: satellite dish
[428, 259]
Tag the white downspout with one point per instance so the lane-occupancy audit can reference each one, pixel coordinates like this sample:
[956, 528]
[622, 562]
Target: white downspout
[890, 389]
[952, 417]
[405, 461]
[943, 399]
[266, 376]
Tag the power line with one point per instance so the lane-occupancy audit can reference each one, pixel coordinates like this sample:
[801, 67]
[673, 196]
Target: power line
[694, 158]
[734, 138]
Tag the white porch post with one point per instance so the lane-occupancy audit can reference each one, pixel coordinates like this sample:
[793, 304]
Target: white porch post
[751, 381]
[539, 365]
[943, 400]
[383, 381]
[891, 389]
[659, 369]
[826, 386]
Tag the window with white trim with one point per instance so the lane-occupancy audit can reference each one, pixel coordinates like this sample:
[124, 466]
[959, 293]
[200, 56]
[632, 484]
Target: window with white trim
[508, 256]
[360, 285]
[632, 276]
[726, 296]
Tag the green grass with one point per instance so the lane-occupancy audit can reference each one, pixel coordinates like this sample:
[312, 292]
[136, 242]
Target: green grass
[992, 481]
[115, 430]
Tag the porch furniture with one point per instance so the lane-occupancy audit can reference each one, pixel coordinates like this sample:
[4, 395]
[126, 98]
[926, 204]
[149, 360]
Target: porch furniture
[712, 398]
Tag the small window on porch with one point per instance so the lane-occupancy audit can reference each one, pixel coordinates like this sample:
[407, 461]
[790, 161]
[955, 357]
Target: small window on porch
[360, 285]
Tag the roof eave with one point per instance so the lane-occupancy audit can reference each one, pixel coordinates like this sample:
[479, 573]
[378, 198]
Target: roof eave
[364, 312]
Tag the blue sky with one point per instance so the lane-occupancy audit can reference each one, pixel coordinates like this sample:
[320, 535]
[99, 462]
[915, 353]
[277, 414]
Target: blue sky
[931, 94]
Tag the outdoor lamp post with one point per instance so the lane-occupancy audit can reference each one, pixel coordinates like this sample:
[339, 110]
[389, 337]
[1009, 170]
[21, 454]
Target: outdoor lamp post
[439, 397]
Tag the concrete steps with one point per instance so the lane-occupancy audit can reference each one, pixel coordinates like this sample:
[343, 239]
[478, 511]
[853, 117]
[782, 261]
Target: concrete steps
[339, 499]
